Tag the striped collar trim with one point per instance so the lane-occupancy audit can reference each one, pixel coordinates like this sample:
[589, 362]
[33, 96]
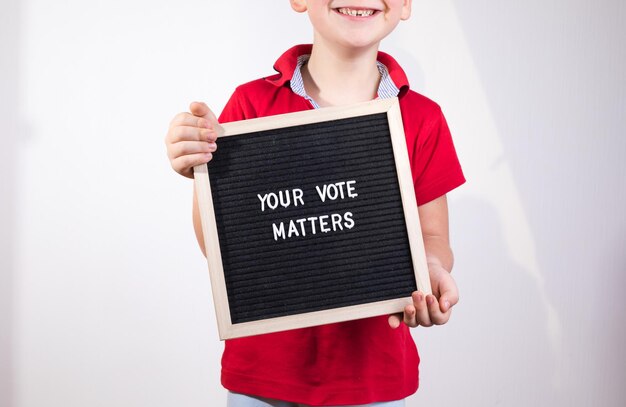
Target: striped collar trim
[386, 88]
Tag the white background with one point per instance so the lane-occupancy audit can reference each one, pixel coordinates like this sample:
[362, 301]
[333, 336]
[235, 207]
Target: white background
[104, 295]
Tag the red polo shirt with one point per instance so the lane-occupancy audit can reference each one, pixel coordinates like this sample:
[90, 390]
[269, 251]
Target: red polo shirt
[354, 362]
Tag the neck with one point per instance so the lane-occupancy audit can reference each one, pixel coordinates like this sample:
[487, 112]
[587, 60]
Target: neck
[337, 76]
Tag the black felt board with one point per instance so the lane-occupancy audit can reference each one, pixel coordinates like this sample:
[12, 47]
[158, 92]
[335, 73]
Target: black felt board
[268, 278]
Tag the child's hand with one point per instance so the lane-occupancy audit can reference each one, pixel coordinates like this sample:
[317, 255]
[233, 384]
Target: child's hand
[191, 137]
[431, 309]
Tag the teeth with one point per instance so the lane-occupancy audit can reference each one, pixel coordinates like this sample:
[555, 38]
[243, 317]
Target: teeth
[355, 13]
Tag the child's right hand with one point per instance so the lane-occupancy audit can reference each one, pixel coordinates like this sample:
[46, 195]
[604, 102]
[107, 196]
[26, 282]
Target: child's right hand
[191, 137]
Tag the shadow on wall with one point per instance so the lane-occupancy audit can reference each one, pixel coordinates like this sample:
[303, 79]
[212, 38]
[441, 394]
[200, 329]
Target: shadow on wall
[8, 120]
[553, 76]
[510, 360]
[496, 349]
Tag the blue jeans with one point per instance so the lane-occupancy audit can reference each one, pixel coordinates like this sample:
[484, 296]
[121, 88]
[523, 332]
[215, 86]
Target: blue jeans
[241, 400]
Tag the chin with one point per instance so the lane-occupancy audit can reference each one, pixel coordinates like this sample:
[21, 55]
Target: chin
[357, 42]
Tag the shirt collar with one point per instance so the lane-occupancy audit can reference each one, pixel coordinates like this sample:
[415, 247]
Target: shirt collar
[386, 87]
[287, 63]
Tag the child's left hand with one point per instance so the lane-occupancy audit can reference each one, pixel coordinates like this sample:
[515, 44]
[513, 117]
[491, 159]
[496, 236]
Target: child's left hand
[434, 309]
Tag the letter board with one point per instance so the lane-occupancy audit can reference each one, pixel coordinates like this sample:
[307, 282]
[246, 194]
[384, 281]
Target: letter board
[310, 218]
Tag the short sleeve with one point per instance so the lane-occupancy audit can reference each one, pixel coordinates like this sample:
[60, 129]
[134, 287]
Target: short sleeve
[434, 162]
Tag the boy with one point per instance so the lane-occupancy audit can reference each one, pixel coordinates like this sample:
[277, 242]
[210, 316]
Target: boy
[372, 360]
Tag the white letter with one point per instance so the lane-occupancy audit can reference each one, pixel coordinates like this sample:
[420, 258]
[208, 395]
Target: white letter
[336, 218]
[340, 185]
[324, 224]
[279, 231]
[301, 222]
[269, 199]
[292, 229]
[320, 193]
[348, 218]
[297, 196]
[332, 196]
[351, 189]
[262, 203]
[312, 220]
[285, 198]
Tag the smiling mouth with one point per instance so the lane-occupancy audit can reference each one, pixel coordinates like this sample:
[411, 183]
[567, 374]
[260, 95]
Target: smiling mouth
[346, 11]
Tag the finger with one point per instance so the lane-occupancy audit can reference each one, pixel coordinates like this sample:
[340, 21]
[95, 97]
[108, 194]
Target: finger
[183, 148]
[184, 165]
[422, 316]
[200, 109]
[395, 320]
[409, 316]
[450, 299]
[448, 295]
[188, 119]
[436, 315]
[189, 133]
[441, 310]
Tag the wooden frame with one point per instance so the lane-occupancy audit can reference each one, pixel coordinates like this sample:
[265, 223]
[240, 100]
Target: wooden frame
[214, 257]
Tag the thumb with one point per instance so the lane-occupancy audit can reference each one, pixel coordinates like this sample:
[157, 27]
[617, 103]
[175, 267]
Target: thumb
[449, 298]
[200, 109]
